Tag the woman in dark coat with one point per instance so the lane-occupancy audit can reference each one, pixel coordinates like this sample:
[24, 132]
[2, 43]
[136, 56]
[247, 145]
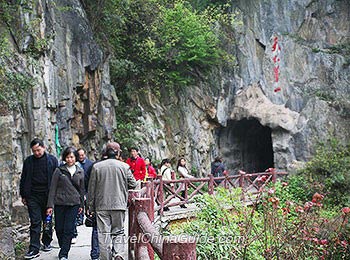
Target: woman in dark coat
[66, 196]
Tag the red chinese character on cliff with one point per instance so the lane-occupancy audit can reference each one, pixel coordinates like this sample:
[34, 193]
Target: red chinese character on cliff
[276, 50]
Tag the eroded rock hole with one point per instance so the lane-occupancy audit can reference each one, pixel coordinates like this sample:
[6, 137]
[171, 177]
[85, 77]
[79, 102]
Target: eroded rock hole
[246, 145]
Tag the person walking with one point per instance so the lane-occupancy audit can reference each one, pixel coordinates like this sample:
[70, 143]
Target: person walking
[34, 188]
[85, 163]
[107, 198]
[217, 169]
[166, 172]
[184, 173]
[95, 249]
[137, 164]
[66, 197]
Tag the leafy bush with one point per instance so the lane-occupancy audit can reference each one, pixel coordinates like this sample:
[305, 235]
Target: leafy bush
[226, 229]
[13, 84]
[157, 46]
[331, 166]
[161, 42]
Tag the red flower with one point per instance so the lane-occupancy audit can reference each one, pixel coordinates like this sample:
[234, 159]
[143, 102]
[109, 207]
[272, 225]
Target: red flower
[323, 242]
[346, 210]
[315, 240]
[344, 243]
[317, 197]
[299, 209]
[308, 205]
[275, 201]
[285, 211]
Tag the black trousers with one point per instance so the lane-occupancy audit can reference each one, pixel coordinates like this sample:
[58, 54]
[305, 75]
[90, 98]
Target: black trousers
[65, 217]
[37, 214]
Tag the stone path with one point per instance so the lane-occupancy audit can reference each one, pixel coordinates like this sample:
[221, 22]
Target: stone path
[78, 251]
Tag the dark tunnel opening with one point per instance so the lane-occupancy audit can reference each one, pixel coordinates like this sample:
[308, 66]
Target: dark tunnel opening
[246, 145]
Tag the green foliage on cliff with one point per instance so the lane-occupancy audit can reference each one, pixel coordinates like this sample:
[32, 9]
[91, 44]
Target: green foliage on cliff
[159, 45]
[13, 83]
[331, 167]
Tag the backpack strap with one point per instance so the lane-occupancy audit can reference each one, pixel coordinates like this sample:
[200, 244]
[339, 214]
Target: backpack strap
[164, 171]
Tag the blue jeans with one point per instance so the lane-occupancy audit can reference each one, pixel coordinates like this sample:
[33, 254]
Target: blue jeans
[65, 217]
[37, 214]
[95, 249]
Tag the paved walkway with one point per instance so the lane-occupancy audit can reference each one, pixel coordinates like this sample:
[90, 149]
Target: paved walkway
[78, 251]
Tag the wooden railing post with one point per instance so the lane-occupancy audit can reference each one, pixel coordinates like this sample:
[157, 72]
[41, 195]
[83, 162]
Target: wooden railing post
[150, 194]
[133, 194]
[173, 177]
[211, 184]
[186, 191]
[179, 247]
[226, 180]
[161, 195]
[143, 205]
[241, 184]
[274, 175]
[241, 179]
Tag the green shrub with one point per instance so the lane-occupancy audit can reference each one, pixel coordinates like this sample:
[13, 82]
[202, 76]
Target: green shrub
[13, 84]
[157, 46]
[270, 229]
[331, 166]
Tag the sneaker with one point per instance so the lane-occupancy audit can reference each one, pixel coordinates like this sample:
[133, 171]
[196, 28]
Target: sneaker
[74, 240]
[32, 254]
[63, 258]
[46, 248]
[183, 206]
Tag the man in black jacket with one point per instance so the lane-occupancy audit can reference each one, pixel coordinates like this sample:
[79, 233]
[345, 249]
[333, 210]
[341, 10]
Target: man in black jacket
[34, 188]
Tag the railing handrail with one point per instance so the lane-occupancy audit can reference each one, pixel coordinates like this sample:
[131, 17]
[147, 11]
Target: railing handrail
[142, 208]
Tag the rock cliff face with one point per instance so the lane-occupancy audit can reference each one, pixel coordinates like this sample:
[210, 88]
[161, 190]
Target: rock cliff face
[235, 114]
[72, 98]
[239, 116]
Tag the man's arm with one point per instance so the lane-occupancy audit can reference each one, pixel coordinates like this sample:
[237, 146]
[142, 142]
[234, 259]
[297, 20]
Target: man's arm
[91, 190]
[53, 188]
[131, 180]
[22, 182]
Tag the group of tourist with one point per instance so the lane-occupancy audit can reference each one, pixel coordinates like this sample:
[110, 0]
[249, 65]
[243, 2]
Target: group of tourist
[64, 189]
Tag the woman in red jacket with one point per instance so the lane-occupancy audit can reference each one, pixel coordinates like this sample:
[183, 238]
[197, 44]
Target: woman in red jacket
[151, 172]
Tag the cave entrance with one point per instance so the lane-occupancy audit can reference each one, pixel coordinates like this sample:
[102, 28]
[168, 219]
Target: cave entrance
[246, 145]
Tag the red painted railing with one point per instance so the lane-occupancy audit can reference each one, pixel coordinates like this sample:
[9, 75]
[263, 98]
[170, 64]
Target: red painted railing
[166, 191]
[157, 194]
